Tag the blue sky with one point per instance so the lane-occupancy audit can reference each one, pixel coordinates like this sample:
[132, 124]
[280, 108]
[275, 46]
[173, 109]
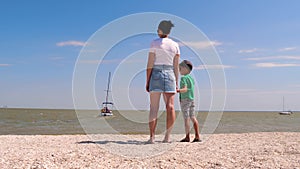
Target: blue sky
[257, 41]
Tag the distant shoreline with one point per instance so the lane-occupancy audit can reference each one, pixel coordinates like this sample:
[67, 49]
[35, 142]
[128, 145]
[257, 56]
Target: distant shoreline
[69, 121]
[69, 109]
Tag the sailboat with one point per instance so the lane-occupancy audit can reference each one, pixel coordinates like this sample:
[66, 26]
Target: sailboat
[107, 106]
[284, 112]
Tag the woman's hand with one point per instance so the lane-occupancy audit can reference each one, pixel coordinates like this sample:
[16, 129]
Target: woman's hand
[150, 63]
[147, 87]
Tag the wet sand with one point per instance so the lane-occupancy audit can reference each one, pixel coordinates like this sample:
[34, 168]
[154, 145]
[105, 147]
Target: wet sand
[65, 122]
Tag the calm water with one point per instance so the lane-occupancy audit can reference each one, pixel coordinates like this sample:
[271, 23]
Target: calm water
[45, 121]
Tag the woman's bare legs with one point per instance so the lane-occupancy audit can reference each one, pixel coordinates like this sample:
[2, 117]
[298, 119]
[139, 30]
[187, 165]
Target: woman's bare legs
[171, 116]
[154, 106]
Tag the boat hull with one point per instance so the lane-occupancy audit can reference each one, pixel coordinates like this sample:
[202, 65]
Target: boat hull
[286, 113]
[106, 114]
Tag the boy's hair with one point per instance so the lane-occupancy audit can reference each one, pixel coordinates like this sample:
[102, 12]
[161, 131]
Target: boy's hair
[165, 26]
[187, 64]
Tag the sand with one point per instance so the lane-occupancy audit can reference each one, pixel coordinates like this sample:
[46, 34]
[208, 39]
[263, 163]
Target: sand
[247, 150]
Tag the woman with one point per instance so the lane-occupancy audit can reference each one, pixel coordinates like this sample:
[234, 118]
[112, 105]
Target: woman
[162, 77]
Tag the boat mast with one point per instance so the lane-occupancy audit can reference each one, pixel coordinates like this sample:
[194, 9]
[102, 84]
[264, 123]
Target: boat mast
[108, 83]
[283, 103]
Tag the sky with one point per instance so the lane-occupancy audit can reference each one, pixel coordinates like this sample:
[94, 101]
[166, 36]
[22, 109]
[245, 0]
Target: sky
[258, 43]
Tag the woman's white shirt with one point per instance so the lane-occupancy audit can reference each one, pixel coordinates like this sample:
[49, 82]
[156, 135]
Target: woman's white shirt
[164, 49]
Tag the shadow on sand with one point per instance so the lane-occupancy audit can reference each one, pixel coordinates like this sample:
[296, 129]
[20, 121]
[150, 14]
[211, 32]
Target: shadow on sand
[116, 142]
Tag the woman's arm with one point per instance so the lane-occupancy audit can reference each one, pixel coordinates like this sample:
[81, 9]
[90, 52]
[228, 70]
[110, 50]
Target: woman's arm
[176, 68]
[150, 63]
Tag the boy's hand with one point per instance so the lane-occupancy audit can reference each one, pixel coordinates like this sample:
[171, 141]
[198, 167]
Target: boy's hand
[182, 90]
[178, 90]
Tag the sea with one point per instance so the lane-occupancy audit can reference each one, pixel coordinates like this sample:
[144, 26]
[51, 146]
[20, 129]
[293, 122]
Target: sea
[25, 121]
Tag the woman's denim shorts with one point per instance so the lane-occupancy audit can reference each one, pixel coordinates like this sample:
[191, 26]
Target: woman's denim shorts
[163, 79]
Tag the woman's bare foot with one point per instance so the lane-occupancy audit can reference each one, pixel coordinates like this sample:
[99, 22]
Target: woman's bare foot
[150, 141]
[166, 141]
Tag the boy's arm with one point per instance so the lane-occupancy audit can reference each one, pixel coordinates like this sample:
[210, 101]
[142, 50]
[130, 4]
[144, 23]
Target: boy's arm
[182, 90]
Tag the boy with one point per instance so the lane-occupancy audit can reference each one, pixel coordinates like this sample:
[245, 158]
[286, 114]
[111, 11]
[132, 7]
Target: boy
[186, 97]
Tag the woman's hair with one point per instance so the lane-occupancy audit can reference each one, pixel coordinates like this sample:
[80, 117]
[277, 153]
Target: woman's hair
[165, 26]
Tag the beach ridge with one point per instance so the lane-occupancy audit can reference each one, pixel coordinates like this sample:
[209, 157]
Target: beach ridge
[244, 150]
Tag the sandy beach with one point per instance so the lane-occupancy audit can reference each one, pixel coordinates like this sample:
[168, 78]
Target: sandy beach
[247, 150]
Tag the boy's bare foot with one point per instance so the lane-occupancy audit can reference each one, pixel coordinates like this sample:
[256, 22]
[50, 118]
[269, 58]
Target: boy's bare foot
[185, 140]
[197, 140]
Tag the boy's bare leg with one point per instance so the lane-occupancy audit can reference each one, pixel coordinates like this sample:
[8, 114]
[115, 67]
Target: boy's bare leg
[187, 129]
[196, 127]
